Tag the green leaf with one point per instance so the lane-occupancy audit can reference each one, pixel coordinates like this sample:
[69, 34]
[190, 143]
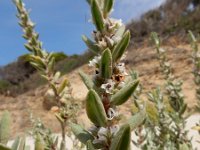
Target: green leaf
[22, 144]
[62, 86]
[16, 143]
[121, 140]
[90, 145]
[51, 64]
[88, 82]
[155, 39]
[106, 64]
[37, 66]
[5, 127]
[37, 60]
[184, 146]
[27, 147]
[28, 47]
[95, 109]
[183, 109]
[192, 37]
[108, 4]
[39, 143]
[97, 16]
[91, 45]
[81, 133]
[3, 147]
[121, 46]
[137, 119]
[123, 95]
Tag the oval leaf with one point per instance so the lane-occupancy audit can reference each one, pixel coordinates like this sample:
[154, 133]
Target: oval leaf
[81, 133]
[123, 95]
[121, 47]
[5, 127]
[91, 45]
[137, 119]
[90, 146]
[108, 4]
[97, 16]
[39, 143]
[15, 145]
[88, 82]
[106, 64]
[122, 139]
[95, 109]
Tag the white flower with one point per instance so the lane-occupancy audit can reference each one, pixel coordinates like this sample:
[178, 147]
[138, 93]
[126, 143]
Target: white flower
[122, 69]
[94, 61]
[111, 113]
[108, 87]
[117, 22]
[102, 136]
[102, 132]
[102, 43]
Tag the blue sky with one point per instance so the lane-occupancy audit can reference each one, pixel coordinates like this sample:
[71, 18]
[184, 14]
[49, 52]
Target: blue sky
[60, 24]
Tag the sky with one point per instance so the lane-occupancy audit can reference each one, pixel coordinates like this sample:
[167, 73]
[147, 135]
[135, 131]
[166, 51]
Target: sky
[60, 24]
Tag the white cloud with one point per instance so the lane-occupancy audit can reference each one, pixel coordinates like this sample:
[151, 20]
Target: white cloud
[133, 9]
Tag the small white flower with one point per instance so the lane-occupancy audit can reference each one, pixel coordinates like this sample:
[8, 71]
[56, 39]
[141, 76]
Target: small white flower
[111, 113]
[102, 136]
[102, 132]
[108, 87]
[117, 22]
[95, 61]
[102, 43]
[122, 69]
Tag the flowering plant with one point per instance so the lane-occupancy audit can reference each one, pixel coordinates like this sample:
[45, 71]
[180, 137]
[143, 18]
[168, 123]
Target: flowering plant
[108, 88]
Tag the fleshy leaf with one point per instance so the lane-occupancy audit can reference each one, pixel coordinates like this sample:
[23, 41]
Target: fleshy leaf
[155, 39]
[121, 47]
[88, 82]
[97, 16]
[22, 143]
[123, 95]
[122, 139]
[137, 119]
[95, 109]
[81, 133]
[90, 145]
[5, 127]
[106, 64]
[91, 45]
[108, 4]
[39, 143]
[16, 143]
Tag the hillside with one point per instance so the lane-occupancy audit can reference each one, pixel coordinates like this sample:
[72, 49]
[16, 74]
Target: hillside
[142, 59]
[26, 95]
